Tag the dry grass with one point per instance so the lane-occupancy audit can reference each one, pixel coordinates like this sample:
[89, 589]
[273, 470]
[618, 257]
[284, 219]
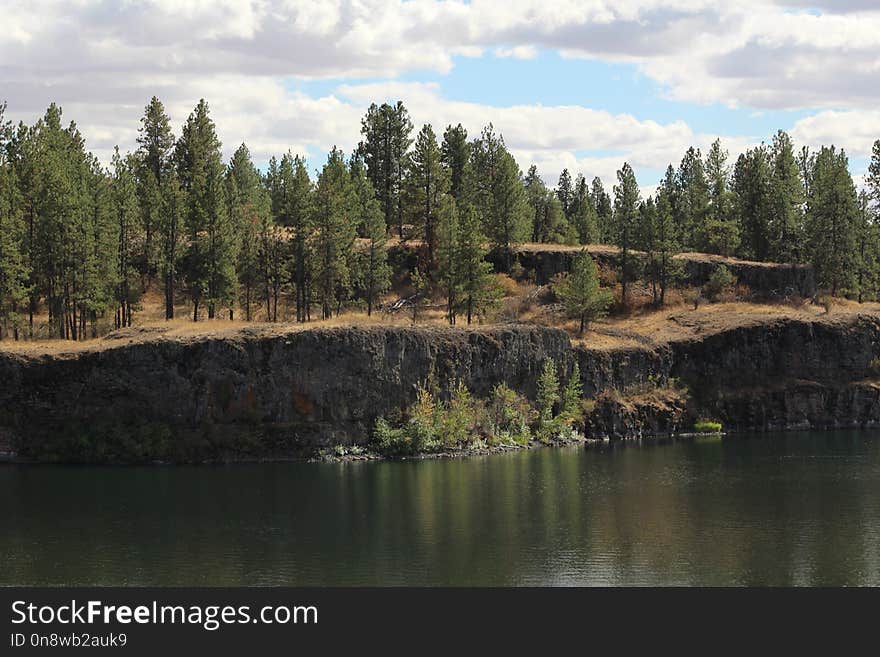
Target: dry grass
[638, 325]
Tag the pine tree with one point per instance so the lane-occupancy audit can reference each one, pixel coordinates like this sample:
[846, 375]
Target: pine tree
[14, 272]
[872, 180]
[499, 195]
[604, 212]
[171, 226]
[334, 209]
[293, 207]
[373, 272]
[751, 186]
[694, 201]
[580, 292]
[156, 145]
[832, 214]
[722, 230]
[455, 152]
[249, 211]
[584, 218]
[125, 212]
[386, 130]
[465, 275]
[665, 245]
[785, 219]
[426, 191]
[867, 249]
[626, 218]
[565, 192]
[210, 259]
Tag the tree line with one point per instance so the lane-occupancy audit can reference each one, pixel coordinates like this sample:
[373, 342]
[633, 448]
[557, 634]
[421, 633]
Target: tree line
[80, 241]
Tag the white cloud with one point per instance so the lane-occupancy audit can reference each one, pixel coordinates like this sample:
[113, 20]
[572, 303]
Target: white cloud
[102, 61]
[852, 130]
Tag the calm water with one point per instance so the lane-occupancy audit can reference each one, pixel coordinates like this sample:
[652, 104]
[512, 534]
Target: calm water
[787, 509]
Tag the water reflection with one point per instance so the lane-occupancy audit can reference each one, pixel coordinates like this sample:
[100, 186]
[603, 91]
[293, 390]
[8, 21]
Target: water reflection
[788, 509]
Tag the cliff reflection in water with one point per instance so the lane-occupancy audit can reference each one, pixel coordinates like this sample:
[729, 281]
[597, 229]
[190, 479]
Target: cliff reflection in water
[800, 508]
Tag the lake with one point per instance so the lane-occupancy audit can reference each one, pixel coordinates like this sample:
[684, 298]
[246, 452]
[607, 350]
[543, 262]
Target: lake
[781, 509]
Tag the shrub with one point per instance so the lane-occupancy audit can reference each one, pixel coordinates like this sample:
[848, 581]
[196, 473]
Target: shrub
[874, 366]
[721, 281]
[707, 426]
[507, 417]
[548, 397]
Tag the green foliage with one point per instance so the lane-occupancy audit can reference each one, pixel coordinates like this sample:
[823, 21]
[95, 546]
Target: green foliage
[557, 409]
[335, 203]
[509, 416]
[720, 281]
[386, 130]
[372, 273]
[498, 193]
[707, 426]
[831, 219]
[580, 292]
[626, 222]
[426, 191]
[464, 274]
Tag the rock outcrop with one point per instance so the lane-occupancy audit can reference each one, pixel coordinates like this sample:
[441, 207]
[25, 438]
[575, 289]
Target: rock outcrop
[269, 393]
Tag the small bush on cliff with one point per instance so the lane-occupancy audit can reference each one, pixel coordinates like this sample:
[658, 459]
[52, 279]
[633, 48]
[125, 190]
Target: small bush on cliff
[558, 410]
[720, 282]
[707, 426]
[508, 416]
[432, 425]
[874, 366]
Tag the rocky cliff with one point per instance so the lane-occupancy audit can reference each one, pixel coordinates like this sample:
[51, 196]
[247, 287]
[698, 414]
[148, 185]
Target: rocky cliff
[271, 393]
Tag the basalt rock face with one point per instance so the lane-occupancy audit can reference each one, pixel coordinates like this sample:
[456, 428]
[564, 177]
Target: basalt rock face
[271, 393]
[253, 394]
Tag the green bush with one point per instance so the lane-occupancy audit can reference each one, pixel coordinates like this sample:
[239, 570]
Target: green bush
[719, 282]
[707, 426]
[507, 418]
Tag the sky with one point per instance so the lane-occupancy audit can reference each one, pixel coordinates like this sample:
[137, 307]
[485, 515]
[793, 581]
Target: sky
[577, 84]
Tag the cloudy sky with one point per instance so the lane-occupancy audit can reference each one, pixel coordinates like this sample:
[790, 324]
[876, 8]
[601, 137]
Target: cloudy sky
[583, 84]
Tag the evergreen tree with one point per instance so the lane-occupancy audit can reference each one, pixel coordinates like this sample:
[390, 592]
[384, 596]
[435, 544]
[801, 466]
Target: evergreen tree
[210, 260]
[155, 148]
[694, 201]
[626, 218]
[426, 191]
[499, 195]
[604, 211]
[751, 186]
[293, 207]
[334, 208]
[455, 152]
[14, 272]
[386, 130]
[465, 275]
[785, 220]
[663, 269]
[373, 270]
[250, 213]
[872, 180]
[867, 249]
[584, 218]
[832, 215]
[722, 230]
[125, 212]
[580, 292]
[172, 222]
[565, 192]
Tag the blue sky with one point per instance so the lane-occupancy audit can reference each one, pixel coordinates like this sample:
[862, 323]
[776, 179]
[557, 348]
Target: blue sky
[582, 84]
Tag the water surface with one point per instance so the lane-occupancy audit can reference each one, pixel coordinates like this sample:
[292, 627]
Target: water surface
[800, 508]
